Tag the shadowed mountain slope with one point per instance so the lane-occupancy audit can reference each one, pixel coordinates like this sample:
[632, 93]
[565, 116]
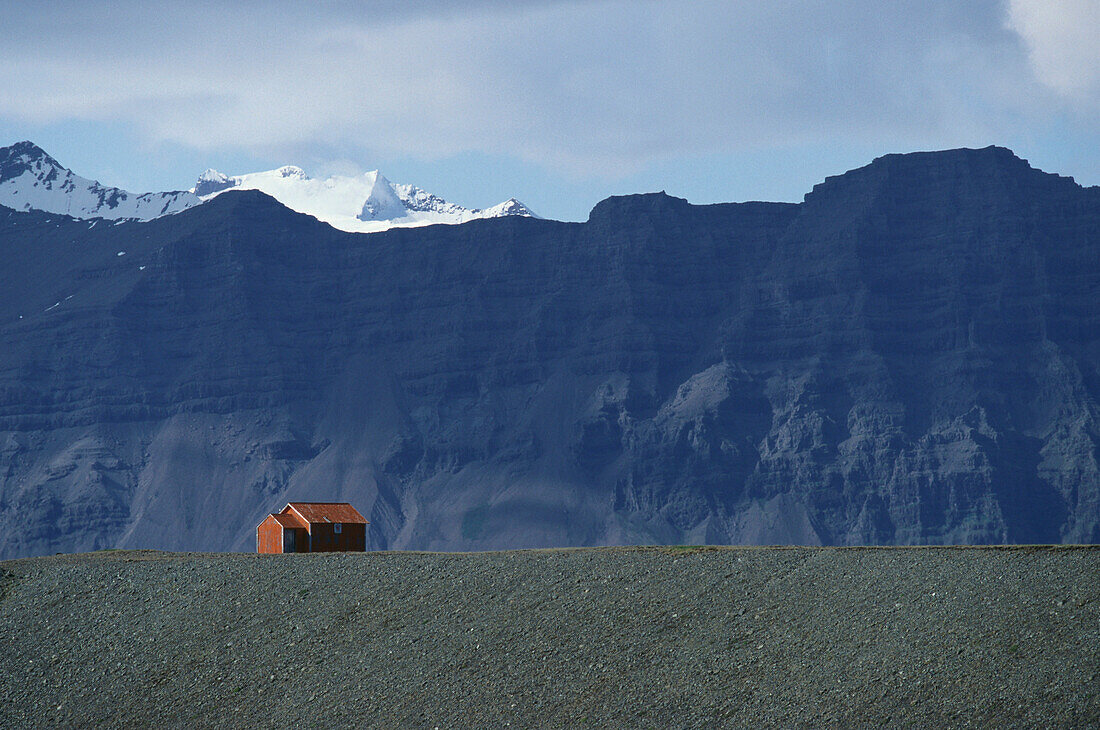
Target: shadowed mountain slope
[909, 356]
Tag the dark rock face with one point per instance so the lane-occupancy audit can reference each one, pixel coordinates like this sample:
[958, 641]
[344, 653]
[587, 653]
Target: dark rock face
[909, 356]
[15, 159]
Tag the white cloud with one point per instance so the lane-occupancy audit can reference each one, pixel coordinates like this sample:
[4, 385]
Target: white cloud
[593, 88]
[1063, 38]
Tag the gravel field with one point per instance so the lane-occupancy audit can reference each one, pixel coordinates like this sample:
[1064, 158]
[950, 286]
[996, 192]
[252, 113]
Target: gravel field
[614, 637]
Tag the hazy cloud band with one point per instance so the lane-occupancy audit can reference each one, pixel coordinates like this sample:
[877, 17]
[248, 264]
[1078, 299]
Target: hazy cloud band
[591, 88]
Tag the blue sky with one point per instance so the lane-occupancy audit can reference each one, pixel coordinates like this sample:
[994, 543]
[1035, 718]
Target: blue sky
[559, 104]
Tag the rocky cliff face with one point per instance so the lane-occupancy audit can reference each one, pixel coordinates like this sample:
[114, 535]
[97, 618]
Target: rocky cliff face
[909, 356]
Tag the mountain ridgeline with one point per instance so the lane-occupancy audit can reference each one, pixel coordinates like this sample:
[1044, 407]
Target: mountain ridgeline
[31, 180]
[909, 356]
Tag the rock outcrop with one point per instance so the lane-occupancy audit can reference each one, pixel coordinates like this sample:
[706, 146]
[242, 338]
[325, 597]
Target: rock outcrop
[909, 356]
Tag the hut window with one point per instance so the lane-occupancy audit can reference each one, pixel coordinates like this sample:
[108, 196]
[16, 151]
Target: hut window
[336, 528]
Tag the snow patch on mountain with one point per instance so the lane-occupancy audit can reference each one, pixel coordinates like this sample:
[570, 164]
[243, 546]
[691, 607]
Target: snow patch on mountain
[359, 203]
[32, 180]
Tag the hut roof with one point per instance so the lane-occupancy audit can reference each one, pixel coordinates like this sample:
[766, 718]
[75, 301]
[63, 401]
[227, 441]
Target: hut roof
[315, 512]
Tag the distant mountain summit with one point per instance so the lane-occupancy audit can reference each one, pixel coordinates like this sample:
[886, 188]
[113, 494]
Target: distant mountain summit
[32, 180]
[356, 203]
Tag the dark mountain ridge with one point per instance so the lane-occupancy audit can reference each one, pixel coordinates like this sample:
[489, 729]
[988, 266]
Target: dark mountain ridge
[909, 356]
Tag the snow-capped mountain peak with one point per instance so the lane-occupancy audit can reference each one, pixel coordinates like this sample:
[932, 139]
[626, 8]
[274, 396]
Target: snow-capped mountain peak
[364, 203]
[211, 182]
[382, 203]
[210, 175]
[32, 180]
[22, 156]
[292, 171]
[511, 206]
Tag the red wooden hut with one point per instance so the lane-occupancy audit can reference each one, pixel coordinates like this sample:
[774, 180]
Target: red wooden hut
[313, 527]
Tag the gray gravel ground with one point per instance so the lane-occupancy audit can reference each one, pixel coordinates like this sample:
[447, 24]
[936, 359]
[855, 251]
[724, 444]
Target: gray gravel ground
[616, 637]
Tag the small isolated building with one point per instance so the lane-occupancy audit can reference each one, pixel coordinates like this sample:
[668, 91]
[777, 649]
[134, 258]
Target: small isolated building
[313, 527]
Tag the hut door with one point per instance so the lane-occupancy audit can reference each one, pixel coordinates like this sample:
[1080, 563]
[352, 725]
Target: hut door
[289, 543]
